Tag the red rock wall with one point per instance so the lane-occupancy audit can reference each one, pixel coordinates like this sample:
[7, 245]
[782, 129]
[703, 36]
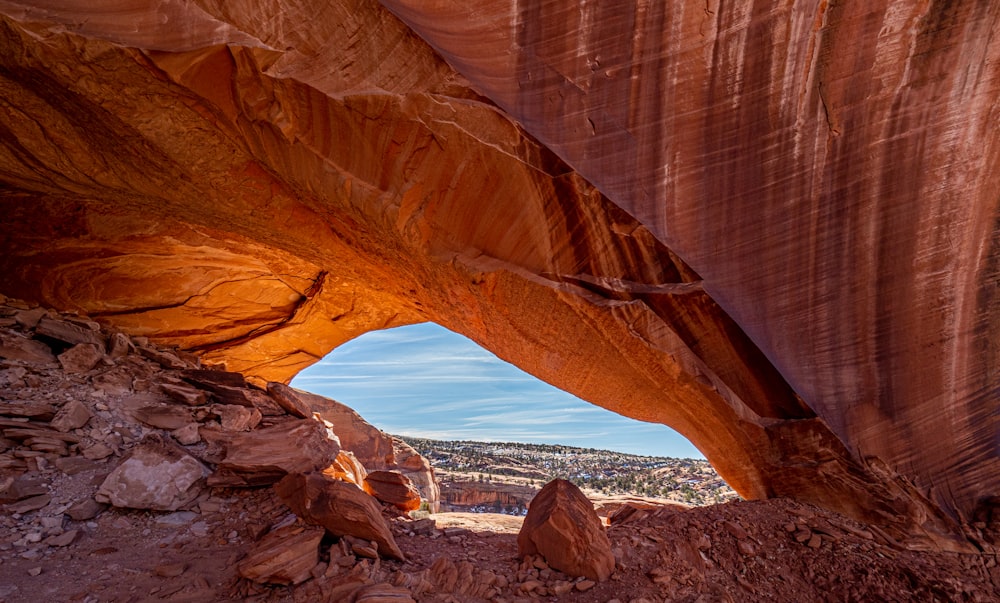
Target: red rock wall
[260, 185]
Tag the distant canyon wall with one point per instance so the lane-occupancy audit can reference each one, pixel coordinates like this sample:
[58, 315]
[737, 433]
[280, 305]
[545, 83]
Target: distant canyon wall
[773, 226]
[488, 496]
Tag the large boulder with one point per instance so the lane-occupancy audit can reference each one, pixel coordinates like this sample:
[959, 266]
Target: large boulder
[562, 527]
[340, 507]
[264, 456]
[156, 474]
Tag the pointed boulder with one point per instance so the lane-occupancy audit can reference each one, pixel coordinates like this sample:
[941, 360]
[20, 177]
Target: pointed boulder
[288, 399]
[564, 529]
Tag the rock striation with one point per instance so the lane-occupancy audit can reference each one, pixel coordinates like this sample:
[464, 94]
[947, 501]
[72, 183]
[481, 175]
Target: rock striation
[771, 225]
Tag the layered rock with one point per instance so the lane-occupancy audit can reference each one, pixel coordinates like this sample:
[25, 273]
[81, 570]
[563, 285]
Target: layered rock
[460, 495]
[371, 447]
[340, 507]
[260, 184]
[393, 488]
[284, 556]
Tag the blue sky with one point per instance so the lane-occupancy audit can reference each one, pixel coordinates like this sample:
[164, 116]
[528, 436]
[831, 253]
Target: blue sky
[425, 381]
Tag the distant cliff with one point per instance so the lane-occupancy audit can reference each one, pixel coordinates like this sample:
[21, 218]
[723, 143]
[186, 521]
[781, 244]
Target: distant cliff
[485, 496]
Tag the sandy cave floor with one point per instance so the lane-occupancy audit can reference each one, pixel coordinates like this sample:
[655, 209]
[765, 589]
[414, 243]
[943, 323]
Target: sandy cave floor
[740, 551]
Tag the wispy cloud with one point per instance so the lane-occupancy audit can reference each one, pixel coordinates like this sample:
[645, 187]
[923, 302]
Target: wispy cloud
[425, 381]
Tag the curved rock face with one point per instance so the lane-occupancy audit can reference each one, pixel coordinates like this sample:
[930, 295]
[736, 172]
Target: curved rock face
[259, 184]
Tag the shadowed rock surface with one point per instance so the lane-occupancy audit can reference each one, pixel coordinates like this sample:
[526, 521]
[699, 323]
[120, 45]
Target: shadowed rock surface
[257, 185]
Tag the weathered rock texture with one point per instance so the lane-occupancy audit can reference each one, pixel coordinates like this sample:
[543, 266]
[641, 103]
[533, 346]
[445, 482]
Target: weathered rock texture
[462, 495]
[371, 447]
[258, 183]
[157, 474]
[562, 527]
[342, 508]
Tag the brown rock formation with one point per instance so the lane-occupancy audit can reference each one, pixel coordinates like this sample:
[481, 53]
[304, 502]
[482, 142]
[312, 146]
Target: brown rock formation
[340, 507]
[267, 455]
[285, 556]
[156, 474]
[564, 529]
[393, 488]
[260, 184]
[461, 495]
[374, 449]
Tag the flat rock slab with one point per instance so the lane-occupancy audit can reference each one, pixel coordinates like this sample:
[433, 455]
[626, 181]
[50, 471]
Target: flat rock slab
[69, 332]
[29, 504]
[164, 416]
[15, 347]
[40, 411]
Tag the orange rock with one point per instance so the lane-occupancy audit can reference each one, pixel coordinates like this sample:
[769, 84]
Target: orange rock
[284, 556]
[394, 488]
[373, 448]
[347, 467]
[340, 507]
[80, 358]
[562, 527]
[818, 312]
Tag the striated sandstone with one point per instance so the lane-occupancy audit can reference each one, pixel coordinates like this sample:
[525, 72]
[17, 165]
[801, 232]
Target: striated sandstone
[284, 556]
[770, 225]
[266, 455]
[459, 495]
[393, 488]
[347, 467]
[342, 508]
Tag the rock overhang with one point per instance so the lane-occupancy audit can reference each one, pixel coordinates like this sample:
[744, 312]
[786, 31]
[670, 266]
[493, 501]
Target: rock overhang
[262, 194]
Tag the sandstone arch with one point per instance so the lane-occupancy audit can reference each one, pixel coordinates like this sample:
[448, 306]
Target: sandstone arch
[259, 185]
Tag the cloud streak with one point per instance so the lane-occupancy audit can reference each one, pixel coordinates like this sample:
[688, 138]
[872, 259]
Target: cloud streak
[425, 381]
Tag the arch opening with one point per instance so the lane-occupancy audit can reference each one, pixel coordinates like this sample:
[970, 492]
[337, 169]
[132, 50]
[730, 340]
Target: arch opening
[425, 381]
[495, 433]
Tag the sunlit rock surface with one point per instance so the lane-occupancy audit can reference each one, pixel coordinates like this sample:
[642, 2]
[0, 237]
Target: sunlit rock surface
[772, 226]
